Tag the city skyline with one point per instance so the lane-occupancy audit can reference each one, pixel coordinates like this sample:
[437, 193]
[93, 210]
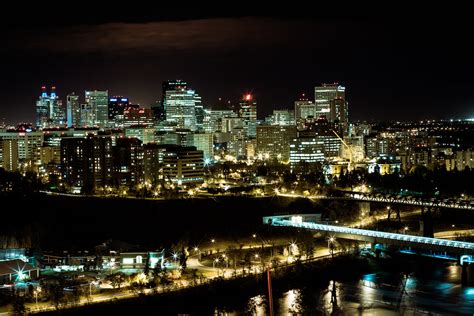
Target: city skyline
[276, 58]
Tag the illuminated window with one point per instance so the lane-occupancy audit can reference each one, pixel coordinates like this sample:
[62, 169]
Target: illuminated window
[139, 259]
[127, 260]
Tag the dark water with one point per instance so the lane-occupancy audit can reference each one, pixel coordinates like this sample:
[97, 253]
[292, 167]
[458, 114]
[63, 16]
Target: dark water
[438, 291]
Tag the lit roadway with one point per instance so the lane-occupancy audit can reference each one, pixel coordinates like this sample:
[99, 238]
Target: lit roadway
[363, 197]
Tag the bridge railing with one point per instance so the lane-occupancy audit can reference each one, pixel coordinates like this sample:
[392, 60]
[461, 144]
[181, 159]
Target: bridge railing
[461, 245]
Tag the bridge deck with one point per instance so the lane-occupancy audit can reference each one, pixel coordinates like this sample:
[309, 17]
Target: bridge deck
[416, 241]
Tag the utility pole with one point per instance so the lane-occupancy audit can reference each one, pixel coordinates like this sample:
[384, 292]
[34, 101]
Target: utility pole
[270, 295]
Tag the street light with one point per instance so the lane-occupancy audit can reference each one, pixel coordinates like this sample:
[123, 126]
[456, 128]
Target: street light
[406, 229]
[38, 290]
[331, 240]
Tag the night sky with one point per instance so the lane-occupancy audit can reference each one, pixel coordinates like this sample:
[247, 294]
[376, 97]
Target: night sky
[393, 68]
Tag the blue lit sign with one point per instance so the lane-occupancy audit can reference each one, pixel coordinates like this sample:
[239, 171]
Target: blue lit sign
[113, 100]
[124, 100]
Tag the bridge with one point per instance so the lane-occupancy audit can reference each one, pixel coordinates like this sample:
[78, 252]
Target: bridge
[418, 242]
[391, 199]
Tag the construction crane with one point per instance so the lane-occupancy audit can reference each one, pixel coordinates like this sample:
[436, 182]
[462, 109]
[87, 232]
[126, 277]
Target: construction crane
[351, 155]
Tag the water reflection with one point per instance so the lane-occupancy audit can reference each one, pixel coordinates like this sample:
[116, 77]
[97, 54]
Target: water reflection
[257, 305]
[385, 293]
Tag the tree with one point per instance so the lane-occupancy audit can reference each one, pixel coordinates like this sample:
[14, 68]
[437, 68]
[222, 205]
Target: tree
[146, 268]
[55, 292]
[116, 279]
[18, 305]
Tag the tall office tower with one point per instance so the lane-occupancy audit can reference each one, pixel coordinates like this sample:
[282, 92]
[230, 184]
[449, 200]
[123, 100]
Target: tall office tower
[58, 113]
[169, 85]
[153, 162]
[180, 106]
[87, 115]
[49, 111]
[248, 113]
[213, 119]
[98, 102]
[73, 110]
[273, 141]
[127, 162]
[304, 108]
[42, 109]
[198, 107]
[9, 158]
[156, 109]
[324, 94]
[339, 112]
[203, 142]
[87, 162]
[117, 105]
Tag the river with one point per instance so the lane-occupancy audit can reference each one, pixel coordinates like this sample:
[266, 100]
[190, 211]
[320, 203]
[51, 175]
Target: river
[434, 291]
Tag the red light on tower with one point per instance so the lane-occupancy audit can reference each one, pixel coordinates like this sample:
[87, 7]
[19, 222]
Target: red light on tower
[248, 97]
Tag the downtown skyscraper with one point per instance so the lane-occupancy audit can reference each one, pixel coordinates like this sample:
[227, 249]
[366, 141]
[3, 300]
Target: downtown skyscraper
[98, 103]
[73, 110]
[248, 113]
[324, 94]
[181, 105]
[49, 111]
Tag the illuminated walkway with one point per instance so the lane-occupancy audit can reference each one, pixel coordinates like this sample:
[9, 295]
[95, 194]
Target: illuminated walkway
[362, 197]
[374, 236]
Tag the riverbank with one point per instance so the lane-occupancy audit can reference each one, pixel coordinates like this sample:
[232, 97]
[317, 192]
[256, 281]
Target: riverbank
[232, 294]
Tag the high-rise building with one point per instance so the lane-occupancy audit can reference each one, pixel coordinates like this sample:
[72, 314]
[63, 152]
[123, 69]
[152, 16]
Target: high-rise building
[153, 162]
[273, 141]
[338, 112]
[281, 117]
[87, 115]
[86, 162]
[237, 145]
[248, 113]
[181, 105]
[10, 160]
[29, 143]
[229, 123]
[183, 165]
[169, 85]
[127, 162]
[213, 119]
[203, 142]
[73, 110]
[98, 102]
[117, 105]
[42, 109]
[49, 110]
[324, 94]
[50, 155]
[199, 109]
[304, 109]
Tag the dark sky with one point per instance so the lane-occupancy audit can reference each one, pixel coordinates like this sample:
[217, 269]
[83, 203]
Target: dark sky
[393, 68]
